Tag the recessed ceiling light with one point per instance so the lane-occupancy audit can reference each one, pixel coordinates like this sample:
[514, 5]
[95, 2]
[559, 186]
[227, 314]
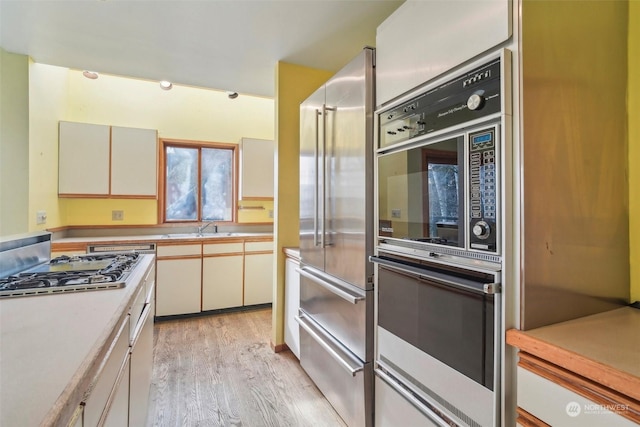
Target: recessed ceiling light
[232, 95]
[90, 74]
[165, 85]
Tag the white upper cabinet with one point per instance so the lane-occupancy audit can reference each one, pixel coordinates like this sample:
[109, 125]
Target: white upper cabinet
[83, 159]
[133, 161]
[256, 168]
[413, 45]
[103, 161]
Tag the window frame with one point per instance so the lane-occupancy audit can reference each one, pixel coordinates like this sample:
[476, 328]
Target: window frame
[199, 145]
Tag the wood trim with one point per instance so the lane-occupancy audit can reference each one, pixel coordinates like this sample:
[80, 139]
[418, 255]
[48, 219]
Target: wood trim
[224, 254]
[177, 257]
[82, 196]
[597, 372]
[278, 348]
[258, 252]
[133, 196]
[525, 419]
[69, 247]
[625, 405]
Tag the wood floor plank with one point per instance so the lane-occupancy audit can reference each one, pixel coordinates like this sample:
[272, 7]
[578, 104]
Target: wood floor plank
[220, 370]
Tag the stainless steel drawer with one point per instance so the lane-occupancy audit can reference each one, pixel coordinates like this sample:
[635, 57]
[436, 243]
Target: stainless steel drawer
[345, 381]
[343, 310]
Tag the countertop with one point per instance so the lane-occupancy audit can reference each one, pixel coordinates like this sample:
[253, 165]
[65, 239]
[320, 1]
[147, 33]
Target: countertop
[604, 347]
[51, 346]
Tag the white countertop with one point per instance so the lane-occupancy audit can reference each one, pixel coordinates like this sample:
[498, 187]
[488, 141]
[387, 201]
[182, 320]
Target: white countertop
[49, 343]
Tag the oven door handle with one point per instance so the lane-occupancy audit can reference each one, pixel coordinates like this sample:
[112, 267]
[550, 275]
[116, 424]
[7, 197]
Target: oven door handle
[463, 284]
[332, 287]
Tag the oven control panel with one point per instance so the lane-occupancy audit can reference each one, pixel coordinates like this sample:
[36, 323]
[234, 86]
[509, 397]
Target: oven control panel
[483, 189]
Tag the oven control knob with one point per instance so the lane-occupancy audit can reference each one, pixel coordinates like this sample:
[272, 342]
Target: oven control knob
[475, 102]
[481, 230]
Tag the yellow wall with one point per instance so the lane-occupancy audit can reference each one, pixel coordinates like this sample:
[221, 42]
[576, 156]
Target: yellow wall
[633, 93]
[182, 113]
[294, 84]
[14, 144]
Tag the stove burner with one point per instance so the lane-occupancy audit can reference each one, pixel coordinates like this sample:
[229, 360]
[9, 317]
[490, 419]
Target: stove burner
[81, 276]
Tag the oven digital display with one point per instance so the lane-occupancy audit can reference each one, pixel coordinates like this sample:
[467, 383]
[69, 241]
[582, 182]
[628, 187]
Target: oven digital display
[482, 138]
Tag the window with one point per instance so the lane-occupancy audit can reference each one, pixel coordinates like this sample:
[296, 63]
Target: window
[198, 182]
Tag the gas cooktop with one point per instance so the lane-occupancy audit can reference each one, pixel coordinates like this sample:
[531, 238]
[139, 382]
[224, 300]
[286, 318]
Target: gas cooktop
[71, 274]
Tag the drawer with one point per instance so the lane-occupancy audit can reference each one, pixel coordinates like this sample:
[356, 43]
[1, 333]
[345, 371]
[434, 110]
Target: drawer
[222, 248]
[258, 246]
[178, 250]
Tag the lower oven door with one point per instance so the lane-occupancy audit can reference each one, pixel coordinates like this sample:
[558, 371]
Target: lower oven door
[438, 333]
[398, 406]
[344, 379]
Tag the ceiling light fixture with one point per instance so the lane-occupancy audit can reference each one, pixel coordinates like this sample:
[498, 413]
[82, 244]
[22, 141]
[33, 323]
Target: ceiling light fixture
[166, 85]
[232, 95]
[90, 74]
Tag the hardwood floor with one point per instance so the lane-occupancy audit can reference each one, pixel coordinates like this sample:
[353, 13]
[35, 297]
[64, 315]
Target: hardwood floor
[220, 370]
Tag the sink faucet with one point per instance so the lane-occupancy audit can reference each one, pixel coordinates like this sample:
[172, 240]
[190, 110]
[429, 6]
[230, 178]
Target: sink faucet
[202, 227]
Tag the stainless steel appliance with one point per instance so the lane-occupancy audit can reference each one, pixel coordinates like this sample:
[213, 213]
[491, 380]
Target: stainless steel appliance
[439, 316]
[336, 239]
[41, 276]
[438, 168]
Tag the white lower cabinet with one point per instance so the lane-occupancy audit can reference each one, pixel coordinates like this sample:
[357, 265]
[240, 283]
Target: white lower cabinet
[291, 305]
[117, 412]
[258, 273]
[221, 282]
[559, 406]
[222, 275]
[200, 277]
[179, 278]
[141, 370]
[108, 382]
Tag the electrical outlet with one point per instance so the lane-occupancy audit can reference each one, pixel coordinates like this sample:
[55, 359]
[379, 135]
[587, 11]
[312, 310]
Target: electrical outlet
[41, 217]
[117, 215]
[270, 213]
[396, 213]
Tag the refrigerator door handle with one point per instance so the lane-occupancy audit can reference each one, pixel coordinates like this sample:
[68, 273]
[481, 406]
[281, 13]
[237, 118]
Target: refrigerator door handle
[334, 288]
[316, 205]
[330, 345]
[326, 237]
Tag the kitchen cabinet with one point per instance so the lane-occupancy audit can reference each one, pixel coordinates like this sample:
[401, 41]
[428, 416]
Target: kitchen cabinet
[103, 161]
[83, 159]
[222, 279]
[258, 273]
[178, 282]
[256, 169]
[134, 155]
[409, 43]
[292, 303]
[213, 275]
[109, 380]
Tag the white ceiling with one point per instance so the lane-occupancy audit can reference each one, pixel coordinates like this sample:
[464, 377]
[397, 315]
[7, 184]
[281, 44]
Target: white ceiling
[220, 44]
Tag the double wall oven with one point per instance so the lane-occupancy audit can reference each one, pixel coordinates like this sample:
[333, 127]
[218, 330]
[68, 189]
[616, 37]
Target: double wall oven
[438, 306]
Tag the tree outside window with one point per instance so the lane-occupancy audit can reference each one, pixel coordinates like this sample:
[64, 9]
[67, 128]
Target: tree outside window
[199, 181]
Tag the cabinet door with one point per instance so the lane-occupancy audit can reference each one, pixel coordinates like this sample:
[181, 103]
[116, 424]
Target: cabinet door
[141, 371]
[178, 286]
[258, 278]
[410, 41]
[117, 414]
[256, 169]
[221, 282]
[83, 159]
[133, 161]
[291, 306]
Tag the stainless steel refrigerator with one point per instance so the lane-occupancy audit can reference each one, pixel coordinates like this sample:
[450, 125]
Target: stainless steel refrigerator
[336, 239]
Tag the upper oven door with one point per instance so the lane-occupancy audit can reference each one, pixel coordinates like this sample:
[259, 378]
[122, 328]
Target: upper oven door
[421, 193]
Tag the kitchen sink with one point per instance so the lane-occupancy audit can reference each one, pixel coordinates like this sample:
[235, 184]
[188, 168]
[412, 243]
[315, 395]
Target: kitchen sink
[199, 235]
